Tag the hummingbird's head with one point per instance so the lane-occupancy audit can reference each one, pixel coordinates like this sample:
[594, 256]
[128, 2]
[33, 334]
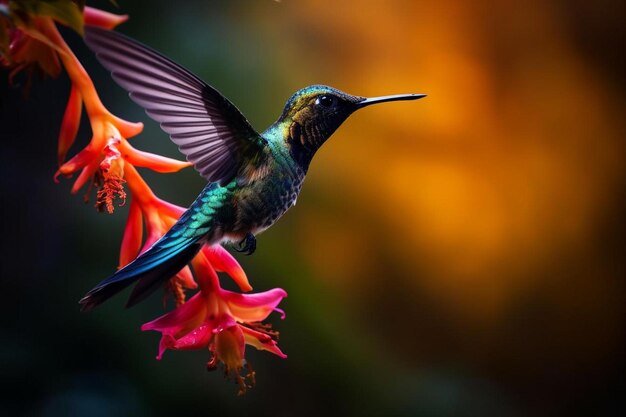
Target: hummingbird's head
[313, 114]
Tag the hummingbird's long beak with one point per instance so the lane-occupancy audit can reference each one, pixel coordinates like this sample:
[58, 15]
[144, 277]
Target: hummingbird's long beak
[375, 100]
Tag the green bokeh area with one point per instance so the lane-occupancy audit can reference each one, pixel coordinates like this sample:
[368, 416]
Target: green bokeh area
[371, 344]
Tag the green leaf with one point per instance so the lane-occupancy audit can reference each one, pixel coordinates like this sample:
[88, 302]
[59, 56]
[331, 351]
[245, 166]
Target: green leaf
[67, 12]
[63, 11]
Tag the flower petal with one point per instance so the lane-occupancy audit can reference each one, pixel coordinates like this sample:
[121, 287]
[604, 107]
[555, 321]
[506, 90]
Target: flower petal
[131, 242]
[166, 342]
[223, 261]
[102, 19]
[170, 210]
[85, 175]
[155, 162]
[230, 348]
[138, 187]
[205, 275]
[254, 307]
[181, 320]
[71, 121]
[198, 338]
[127, 129]
[78, 161]
[111, 151]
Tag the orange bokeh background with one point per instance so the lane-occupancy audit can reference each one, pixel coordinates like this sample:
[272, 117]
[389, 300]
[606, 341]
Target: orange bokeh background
[512, 162]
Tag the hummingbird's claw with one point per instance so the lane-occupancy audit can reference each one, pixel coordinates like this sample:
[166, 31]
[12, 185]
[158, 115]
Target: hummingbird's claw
[247, 245]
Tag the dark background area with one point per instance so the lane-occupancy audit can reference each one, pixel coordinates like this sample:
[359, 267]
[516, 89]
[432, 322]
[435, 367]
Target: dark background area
[458, 256]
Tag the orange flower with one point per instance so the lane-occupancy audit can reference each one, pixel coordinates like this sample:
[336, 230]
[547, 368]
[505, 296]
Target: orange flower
[34, 41]
[109, 145]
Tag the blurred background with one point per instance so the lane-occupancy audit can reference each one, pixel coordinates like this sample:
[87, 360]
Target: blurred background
[462, 255]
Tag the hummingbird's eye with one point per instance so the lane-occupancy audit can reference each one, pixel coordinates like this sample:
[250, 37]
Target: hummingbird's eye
[325, 101]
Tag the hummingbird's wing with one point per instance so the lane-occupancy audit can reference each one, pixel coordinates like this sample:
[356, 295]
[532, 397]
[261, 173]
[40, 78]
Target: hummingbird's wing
[207, 128]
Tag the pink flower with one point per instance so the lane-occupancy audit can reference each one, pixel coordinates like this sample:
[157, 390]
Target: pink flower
[222, 322]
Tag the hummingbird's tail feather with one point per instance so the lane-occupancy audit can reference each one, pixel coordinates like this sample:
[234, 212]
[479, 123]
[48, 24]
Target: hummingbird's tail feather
[159, 263]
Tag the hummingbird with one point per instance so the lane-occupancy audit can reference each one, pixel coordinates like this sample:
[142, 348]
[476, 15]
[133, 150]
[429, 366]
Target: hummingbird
[253, 179]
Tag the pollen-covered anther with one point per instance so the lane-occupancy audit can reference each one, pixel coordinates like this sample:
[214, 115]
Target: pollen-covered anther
[112, 189]
[265, 328]
[112, 171]
[211, 365]
[246, 381]
[251, 375]
[242, 384]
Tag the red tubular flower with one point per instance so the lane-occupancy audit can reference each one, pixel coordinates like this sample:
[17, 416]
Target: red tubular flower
[70, 124]
[30, 51]
[100, 18]
[222, 261]
[159, 216]
[26, 44]
[35, 41]
[222, 322]
[215, 319]
[106, 130]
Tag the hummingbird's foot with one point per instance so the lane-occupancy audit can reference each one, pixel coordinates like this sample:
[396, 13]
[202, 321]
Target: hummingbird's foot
[247, 245]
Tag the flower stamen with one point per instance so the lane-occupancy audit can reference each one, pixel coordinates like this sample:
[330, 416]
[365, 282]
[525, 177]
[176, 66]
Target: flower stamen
[251, 375]
[211, 365]
[175, 287]
[265, 328]
[112, 189]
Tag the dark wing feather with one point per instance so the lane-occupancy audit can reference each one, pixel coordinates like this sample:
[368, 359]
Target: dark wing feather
[207, 128]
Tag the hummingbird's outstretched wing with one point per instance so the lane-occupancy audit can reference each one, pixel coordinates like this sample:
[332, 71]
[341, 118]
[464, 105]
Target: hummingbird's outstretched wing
[207, 128]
